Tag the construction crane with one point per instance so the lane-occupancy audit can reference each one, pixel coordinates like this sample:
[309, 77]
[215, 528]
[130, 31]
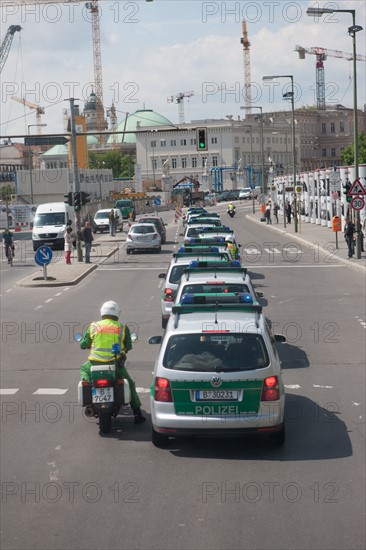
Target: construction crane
[114, 124]
[247, 83]
[6, 45]
[321, 55]
[39, 110]
[179, 99]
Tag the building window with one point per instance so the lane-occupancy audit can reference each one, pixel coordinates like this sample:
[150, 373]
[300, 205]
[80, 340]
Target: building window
[268, 139]
[162, 161]
[236, 139]
[324, 152]
[193, 141]
[162, 143]
[174, 163]
[184, 163]
[194, 162]
[333, 152]
[183, 142]
[332, 128]
[214, 161]
[153, 143]
[204, 159]
[173, 143]
[154, 164]
[214, 140]
[341, 126]
[324, 128]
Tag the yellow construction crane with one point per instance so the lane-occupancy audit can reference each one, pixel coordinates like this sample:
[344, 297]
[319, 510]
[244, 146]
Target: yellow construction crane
[39, 110]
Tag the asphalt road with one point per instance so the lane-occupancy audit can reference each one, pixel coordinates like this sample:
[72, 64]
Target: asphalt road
[65, 487]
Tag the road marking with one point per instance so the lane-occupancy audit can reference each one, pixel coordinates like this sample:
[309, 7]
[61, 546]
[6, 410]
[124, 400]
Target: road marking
[58, 294]
[292, 386]
[259, 266]
[38, 307]
[143, 390]
[9, 290]
[160, 283]
[49, 300]
[50, 391]
[273, 250]
[320, 386]
[130, 268]
[9, 391]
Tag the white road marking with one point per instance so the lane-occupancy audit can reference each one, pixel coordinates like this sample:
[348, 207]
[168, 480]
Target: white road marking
[9, 391]
[130, 268]
[293, 386]
[284, 301]
[272, 250]
[58, 294]
[160, 283]
[143, 390]
[50, 391]
[49, 300]
[9, 289]
[66, 288]
[320, 386]
[38, 307]
[355, 404]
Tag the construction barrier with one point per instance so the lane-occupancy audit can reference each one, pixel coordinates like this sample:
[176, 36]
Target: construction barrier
[178, 214]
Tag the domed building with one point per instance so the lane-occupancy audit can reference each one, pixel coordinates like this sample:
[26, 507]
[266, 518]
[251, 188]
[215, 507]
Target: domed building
[138, 120]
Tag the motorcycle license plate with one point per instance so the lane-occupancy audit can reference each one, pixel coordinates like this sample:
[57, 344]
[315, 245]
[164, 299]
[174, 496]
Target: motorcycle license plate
[102, 395]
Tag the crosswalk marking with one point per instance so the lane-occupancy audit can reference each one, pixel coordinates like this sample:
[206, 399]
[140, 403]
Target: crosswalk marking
[9, 391]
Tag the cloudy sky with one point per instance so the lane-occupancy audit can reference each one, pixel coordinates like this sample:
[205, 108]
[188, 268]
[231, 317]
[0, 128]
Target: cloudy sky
[152, 50]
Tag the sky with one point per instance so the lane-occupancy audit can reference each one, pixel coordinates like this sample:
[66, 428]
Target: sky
[153, 50]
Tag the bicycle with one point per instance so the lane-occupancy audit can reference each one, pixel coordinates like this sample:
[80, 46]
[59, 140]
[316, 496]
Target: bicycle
[9, 253]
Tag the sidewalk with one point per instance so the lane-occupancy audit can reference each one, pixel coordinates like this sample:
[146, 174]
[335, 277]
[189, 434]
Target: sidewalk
[61, 274]
[312, 235]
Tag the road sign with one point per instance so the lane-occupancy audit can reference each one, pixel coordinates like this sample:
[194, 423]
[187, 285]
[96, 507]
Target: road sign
[298, 189]
[335, 181]
[45, 140]
[356, 189]
[43, 255]
[357, 203]
[252, 185]
[289, 189]
[157, 201]
[334, 195]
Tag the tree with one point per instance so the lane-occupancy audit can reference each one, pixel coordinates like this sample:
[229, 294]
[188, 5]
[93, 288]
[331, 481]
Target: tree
[6, 191]
[121, 165]
[348, 153]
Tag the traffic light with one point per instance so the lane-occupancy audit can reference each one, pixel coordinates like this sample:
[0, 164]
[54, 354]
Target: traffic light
[346, 188]
[201, 139]
[84, 198]
[68, 199]
[77, 201]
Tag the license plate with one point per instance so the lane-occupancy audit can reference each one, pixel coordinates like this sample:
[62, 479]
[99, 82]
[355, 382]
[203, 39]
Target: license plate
[216, 395]
[102, 395]
[142, 238]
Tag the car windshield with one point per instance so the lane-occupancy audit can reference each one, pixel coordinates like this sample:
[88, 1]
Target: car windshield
[50, 218]
[142, 229]
[216, 352]
[213, 288]
[176, 273]
[152, 220]
[101, 215]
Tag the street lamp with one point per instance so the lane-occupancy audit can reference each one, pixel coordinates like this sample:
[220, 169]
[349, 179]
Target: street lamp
[352, 32]
[30, 158]
[283, 180]
[291, 96]
[261, 140]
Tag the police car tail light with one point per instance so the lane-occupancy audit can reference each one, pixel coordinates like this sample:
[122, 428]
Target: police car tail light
[162, 390]
[168, 295]
[270, 390]
[102, 383]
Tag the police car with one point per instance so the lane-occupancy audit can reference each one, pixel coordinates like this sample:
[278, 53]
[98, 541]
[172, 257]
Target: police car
[218, 372]
[176, 268]
[198, 229]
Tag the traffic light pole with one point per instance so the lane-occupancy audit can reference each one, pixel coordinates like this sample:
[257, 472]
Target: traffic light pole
[76, 183]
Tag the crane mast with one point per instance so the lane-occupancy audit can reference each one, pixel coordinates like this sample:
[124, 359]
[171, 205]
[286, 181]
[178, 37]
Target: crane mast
[179, 99]
[246, 55]
[6, 45]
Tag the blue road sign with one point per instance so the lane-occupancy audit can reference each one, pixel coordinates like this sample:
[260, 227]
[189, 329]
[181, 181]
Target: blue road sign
[157, 201]
[252, 185]
[43, 255]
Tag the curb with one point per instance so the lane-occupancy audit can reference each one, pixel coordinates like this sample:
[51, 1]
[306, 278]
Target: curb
[304, 241]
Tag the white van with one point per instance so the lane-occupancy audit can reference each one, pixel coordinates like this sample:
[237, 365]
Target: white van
[50, 223]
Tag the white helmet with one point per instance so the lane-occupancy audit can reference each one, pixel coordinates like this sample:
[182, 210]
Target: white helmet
[110, 308]
[229, 239]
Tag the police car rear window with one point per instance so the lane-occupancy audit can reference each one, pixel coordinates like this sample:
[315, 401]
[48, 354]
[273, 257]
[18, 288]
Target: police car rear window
[176, 273]
[216, 352]
[208, 288]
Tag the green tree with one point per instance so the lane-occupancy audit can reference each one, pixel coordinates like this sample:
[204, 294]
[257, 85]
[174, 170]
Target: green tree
[6, 191]
[348, 153]
[121, 165]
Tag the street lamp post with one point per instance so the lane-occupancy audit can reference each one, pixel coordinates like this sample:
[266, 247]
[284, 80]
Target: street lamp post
[283, 181]
[261, 142]
[30, 160]
[290, 95]
[352, 32]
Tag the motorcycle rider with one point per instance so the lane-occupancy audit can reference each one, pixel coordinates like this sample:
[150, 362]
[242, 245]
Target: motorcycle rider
[7, 237]
[231, 207]
[231, 246]
[99, 338]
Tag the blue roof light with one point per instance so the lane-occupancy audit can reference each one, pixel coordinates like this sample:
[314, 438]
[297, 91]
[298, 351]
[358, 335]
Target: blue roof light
[235, 263]
[187, 299]
[246, 298]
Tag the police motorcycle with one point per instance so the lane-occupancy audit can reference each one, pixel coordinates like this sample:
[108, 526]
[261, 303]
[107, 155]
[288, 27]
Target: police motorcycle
[105, 394]
[231, 210]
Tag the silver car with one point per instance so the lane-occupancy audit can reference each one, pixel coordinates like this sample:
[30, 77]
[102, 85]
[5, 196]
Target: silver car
[143, 236]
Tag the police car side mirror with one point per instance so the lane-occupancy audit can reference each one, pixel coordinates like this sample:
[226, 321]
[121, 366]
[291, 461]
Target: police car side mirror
[162, 276]
[155, 339]
[259, 294]
[78, 336]
[280, 338]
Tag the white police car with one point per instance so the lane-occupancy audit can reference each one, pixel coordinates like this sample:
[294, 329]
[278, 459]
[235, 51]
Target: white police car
[217, 373]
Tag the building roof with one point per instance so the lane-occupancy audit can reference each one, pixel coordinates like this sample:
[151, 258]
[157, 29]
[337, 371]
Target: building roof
[141, 118]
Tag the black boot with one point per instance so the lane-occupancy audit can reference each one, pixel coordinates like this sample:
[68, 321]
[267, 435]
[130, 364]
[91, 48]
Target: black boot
[139, 418]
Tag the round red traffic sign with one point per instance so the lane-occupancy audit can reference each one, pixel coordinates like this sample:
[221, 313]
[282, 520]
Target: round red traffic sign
[357, 203]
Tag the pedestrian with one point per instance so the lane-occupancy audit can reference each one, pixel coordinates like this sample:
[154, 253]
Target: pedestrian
[267, 214]
[349, 232]
[275, 211]
[111, 223]
[288, 212]
[87, 238]
[68, 244]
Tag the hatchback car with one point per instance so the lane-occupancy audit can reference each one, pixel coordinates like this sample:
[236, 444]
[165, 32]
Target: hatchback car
[143, 236]
[245, 193]
[217, 373]
[160, 225]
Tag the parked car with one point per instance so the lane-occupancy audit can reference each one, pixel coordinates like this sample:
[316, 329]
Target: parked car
[159, 223]
[143, 236]
[101, 220]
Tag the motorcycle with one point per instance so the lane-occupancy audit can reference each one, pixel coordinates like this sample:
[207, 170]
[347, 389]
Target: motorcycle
[105, 394]
[231, 212]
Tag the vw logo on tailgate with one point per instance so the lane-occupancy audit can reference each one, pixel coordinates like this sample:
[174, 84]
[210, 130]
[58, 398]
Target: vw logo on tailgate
[216, 381]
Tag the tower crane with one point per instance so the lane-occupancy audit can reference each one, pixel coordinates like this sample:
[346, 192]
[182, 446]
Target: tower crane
[179, 99]
[246, 53]
[321, 55]
[6, 45]
[39, 110]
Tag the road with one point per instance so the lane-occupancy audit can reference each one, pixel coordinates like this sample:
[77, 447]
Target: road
[65, 487]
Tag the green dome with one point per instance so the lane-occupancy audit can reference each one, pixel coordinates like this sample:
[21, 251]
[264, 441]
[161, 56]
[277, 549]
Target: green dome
[146, 117]
[92, 140]
[56, 150]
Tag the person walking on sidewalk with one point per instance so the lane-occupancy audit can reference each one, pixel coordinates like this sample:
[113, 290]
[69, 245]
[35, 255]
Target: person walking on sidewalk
[87, 238]
[349, 232]
[111, 223]
[68, 244]
[267, 214]
[288, 212]
[276, 208]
